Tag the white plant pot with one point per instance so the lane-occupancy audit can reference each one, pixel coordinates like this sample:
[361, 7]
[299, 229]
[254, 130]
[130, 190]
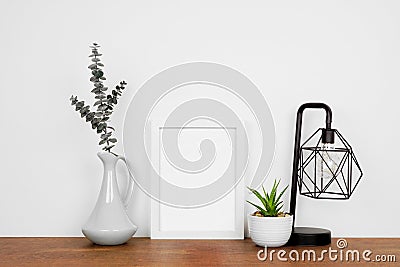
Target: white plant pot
[270, 231]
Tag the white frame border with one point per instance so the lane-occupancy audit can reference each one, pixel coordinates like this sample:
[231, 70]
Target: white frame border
[155, 232]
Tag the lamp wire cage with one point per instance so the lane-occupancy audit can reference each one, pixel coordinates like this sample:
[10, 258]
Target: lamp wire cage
[327, 172]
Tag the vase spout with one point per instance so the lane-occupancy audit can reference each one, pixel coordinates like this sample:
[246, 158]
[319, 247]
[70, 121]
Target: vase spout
[109, 160]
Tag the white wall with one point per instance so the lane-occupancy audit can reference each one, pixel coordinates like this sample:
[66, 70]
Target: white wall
[345, 53]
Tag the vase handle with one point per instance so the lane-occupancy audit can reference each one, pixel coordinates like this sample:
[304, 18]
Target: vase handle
[129, 191]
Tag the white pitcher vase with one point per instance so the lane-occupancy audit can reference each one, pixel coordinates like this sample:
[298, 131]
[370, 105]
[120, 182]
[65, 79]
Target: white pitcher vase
[109, 223]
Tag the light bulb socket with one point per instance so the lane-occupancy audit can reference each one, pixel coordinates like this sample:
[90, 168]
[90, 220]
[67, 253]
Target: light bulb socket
[328, 136]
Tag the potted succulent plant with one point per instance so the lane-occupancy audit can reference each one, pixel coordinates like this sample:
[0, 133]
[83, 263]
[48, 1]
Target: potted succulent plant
[269, 226]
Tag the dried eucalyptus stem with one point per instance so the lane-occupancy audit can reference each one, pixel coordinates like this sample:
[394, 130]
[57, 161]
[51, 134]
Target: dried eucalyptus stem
[105, 102]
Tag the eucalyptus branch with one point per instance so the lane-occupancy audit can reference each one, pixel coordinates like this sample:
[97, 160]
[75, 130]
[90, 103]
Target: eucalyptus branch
[104, 103]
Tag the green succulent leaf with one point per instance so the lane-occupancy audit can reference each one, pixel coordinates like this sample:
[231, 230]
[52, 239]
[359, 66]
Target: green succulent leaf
[258, 195]
[281, 194]
[272, 203]
[261, 210]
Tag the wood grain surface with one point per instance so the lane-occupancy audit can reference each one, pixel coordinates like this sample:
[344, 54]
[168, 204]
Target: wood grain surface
[146, 252]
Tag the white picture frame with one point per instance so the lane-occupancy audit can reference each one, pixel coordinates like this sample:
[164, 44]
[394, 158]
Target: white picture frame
[223, 219]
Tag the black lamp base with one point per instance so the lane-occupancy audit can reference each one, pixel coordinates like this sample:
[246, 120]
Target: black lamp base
[309, 236]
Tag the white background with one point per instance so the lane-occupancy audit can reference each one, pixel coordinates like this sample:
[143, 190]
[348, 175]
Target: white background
[345, 53]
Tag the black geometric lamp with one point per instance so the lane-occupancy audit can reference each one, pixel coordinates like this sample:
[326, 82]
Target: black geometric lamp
[324, 167]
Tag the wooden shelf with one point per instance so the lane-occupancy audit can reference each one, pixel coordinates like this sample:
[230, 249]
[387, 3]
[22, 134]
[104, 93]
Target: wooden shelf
[143, 251]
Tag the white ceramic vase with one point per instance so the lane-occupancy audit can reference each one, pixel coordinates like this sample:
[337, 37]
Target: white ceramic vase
[270, 231]
[109, 223]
